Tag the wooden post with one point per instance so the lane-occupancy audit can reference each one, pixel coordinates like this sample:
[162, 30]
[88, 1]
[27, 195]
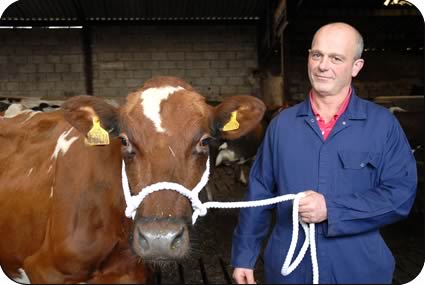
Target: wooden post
[88, 59]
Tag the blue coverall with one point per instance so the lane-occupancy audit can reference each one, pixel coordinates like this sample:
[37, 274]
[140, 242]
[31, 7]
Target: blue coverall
[367, 173]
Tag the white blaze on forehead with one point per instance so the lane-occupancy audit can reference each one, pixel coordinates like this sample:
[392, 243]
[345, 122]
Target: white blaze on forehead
[151, 102]
[63, 144]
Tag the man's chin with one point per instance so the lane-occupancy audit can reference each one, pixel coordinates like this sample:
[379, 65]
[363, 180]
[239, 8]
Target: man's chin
[322, 89]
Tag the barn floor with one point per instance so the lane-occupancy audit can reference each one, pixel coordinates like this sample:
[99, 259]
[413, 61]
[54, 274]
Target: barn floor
[210, 260]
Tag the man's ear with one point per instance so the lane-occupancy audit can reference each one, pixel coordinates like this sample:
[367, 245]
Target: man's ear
[238, 115]
[82, 111]
[357, 66]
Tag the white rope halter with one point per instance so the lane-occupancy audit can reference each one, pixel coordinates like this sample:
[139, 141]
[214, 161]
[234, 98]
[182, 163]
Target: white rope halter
[200, 209]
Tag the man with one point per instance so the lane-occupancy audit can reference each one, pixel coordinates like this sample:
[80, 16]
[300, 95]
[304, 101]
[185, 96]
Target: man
[351, 159]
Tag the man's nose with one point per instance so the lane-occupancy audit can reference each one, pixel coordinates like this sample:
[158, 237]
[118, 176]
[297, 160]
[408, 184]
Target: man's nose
[324, 63]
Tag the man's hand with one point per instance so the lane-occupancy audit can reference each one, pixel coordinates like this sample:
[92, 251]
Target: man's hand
[312, 207]
[244, 276]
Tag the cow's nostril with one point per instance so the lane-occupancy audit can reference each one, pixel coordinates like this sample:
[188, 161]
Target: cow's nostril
[161, 239]
[143, 241]
[178, 239]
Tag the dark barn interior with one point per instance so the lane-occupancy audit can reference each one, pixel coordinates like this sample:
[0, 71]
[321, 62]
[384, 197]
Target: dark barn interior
[53, 50]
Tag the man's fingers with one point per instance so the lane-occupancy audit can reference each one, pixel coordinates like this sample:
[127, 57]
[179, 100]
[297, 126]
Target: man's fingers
[250, 279]
[305, 207]
[312, 207]
[307, 220]
[243, 276]
[308, 192]
[239, 279]
[307, 198]
[305, 215]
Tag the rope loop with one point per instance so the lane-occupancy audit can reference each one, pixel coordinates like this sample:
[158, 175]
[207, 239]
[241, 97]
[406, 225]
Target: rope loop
[200, 209]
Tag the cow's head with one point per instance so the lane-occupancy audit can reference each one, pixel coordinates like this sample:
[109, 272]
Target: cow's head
[164, 129]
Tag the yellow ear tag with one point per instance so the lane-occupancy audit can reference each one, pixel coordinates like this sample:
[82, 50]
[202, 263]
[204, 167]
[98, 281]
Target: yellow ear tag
[97, 135]
[232, 124]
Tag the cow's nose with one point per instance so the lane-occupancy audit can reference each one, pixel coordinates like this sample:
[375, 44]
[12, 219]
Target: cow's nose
[161, 239]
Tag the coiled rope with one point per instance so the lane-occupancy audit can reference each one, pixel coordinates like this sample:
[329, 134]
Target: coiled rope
[200, 209]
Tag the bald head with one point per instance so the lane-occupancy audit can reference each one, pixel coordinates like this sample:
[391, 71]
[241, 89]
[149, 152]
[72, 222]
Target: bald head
[345, 31]
[334, 59]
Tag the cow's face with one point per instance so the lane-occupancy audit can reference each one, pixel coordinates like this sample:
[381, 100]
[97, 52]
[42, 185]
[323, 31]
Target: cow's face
[164, 129]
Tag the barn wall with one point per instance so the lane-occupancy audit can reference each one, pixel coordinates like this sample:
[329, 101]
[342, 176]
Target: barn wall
[216, 60]
[40, 62]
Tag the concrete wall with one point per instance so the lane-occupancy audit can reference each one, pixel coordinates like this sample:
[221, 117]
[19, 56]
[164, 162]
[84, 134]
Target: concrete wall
[216, 60]
[40, 62]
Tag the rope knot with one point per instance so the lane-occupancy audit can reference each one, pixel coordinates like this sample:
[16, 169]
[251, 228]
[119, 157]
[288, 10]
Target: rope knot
[202, 210]
[199, 209]
[129, 212]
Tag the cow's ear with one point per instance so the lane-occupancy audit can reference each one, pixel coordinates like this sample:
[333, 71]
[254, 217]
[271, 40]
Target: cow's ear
[82, 111]
[238, 115]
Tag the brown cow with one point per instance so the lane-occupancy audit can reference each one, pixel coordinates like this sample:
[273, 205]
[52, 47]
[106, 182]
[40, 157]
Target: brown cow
[61, 200]
[241, 152]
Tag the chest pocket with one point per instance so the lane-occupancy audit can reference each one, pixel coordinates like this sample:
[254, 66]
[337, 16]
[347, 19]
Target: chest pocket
[358, 172]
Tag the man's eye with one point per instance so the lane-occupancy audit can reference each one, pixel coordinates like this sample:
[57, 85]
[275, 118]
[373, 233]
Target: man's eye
[336, 59]
[316, 55]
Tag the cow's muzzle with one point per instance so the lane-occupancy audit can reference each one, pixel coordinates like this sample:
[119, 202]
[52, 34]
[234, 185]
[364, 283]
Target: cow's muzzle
[158, 239]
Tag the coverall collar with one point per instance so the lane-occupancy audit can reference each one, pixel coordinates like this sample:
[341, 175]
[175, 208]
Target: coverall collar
[356, 109]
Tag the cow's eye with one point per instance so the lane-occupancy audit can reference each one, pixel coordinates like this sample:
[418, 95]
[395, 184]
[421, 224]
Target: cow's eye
[124, 140]
[127, 148]
[205, 141]
[202, 145]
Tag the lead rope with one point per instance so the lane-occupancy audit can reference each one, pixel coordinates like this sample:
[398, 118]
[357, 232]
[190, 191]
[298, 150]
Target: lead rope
[200, 209]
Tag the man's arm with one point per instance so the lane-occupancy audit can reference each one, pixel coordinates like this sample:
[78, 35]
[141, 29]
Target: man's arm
[254, 222]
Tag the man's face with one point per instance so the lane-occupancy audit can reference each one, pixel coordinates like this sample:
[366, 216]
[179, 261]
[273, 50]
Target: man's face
[331, 61]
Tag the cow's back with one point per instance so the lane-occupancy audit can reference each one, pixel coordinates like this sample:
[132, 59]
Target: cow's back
[26, 176]
[60, 199]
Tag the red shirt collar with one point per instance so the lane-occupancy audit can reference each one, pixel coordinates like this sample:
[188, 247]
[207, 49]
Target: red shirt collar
[341, 109]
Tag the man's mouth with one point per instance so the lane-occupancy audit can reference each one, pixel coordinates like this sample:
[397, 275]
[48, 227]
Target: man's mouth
[322, 78]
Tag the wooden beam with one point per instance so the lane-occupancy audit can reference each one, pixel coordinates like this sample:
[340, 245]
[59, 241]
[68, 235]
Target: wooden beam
[280, 19]
[417, 98]
[86, 37]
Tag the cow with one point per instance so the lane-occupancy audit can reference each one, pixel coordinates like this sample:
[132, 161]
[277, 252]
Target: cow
[241, 152]
[62, 206]
[10, 106]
